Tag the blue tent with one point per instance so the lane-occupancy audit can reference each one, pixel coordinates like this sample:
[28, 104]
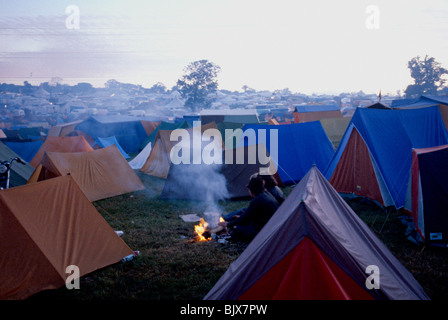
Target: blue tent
[420, 102]
[299, 146]
[26, 150]
[128, 130]
[106, 142]
[375, 153]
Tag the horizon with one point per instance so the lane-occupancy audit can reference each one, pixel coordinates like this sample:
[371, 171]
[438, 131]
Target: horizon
[319, 47]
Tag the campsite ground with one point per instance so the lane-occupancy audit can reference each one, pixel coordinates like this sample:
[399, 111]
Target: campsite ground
[172, 266]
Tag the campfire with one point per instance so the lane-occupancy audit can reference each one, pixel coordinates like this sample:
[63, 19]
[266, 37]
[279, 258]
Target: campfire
[204, 231]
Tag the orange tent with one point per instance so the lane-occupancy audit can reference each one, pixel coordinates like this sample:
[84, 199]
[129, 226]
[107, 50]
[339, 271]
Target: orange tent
[46, 227]
[100, 174]
[61, 144]
[158, 162]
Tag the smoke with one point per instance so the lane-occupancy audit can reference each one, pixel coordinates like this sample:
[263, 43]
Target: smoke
[199, 181]
[202, 184]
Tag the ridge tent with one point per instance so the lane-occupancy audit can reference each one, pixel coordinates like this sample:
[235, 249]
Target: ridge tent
[378, 105]
[46, 227]
[300, 145]
[75, 133]
[308, 113]
[159, 161]
[374, 157]
[423, 102]
[61, 130]
[61, 144]
[100, 174]
[229, 115]
[315, 247]
[427, 198]
[150, 125]
[231, 140]
[19, 173]
[139, 160]
[217, 181]
[335, 128]
[163, 126]
[105, 142]
[128, 130]
[25, 149]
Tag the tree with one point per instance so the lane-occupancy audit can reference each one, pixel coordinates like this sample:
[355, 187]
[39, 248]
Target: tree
[428, 75]
[198, 82]
[159, 87]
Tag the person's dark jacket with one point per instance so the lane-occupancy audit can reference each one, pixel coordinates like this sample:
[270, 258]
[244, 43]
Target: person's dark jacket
[277, 193]
[260, 210]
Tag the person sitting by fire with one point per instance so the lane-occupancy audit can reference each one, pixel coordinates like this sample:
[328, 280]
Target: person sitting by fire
[263, 205]
[271, 185]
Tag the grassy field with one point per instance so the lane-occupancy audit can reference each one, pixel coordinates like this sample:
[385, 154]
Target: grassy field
[172, 266]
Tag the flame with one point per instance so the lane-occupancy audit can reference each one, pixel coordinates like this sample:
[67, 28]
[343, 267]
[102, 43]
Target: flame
[200, 229]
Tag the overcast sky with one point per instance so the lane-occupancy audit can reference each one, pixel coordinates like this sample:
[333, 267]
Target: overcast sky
[319, 46]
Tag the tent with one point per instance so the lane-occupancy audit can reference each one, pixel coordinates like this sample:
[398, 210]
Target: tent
[229, 115]
[335, 128]
[100, 174]
[46, 227]
[316, 248]
[159, 160]
[217, 181]
[378, 105]
[108, 141]
[423, 102]
[307, 113]
[150, 125]
[236, 130]
[299, 145]
[19, 173]
[374, 157]
[61, 130]
[25, 149]
[427, 197]
[139, 160]
[163, 126]
[128, 130]
[61, 144]
[75, 133]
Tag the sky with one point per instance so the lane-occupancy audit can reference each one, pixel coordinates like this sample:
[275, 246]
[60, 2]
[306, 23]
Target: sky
[319, 46]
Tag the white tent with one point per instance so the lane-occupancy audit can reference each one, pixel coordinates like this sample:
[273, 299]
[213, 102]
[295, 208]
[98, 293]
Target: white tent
[140, 159]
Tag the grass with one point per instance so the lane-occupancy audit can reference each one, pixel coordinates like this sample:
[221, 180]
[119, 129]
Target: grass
[171, 266]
